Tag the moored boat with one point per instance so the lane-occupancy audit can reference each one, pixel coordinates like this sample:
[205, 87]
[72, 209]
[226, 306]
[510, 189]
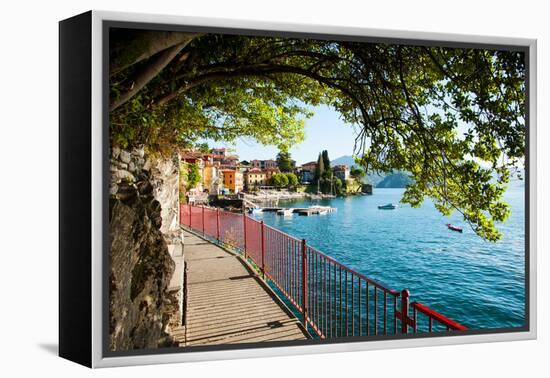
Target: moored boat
[454, 228]
[388, 206]
[285, 212]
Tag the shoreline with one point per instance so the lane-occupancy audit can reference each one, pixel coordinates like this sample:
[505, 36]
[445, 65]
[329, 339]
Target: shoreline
[273, 196]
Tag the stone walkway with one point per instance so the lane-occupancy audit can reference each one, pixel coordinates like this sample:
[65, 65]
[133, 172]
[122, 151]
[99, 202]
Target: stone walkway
[227, 303]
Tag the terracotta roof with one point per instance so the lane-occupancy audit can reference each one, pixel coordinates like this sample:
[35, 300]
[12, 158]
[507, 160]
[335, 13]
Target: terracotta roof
[340, 166]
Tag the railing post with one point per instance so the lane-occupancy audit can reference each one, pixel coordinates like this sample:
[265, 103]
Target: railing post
[190, 209]
[304, 282]
[404, 310]
[218, 223]
[203, 220]
[244, 235]
[263, 248]
[185, 295]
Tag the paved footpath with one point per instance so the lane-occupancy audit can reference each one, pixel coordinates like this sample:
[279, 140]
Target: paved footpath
[227, 303]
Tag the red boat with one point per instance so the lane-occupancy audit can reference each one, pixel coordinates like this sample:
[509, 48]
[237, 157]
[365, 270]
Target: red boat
[454, 228]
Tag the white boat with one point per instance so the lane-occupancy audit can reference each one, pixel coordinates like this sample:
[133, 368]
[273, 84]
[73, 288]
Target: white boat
[285, 212]
[255, 210]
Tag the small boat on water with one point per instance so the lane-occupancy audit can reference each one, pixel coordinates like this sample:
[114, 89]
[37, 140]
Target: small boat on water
[388, 206]
[322, 210]
[454, 228]
[315, 209]
[285, 212]
[255, 210]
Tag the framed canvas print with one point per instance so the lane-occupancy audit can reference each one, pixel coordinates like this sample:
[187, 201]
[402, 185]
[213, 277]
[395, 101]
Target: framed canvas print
[232, 189]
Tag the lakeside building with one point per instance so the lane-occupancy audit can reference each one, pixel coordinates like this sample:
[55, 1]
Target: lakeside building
[264, 164]
[306, 172]
[211, 178]
[230, 162]
[255, 178]
[222, 156]
[310, 166]
[200, 159]
[208, 165]
[305, 176]
[341, 171]
[233, 180]
[220, 170]
[218, 151]
[195, 157]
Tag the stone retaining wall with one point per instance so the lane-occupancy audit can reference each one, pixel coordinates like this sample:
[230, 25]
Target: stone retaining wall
[146, 257]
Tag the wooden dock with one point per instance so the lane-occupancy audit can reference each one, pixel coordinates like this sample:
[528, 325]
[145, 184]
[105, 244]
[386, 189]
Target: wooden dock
[303, 210]
[228, 303]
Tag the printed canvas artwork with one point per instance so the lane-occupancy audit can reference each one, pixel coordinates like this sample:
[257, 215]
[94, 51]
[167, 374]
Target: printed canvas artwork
[276, 189]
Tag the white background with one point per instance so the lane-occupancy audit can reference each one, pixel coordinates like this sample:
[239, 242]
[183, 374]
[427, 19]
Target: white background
[29, 189]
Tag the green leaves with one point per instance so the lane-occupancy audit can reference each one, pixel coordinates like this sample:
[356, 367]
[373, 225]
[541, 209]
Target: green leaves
[454, 119]
[284, 162]
[357, 173]
[193, 176]
[292, 179]
[279, 180]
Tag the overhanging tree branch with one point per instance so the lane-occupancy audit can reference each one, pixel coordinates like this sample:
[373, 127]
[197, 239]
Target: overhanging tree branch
[131, 47]
[146, 74]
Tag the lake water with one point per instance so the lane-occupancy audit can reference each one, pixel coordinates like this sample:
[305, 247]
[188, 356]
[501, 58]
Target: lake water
[478, 283]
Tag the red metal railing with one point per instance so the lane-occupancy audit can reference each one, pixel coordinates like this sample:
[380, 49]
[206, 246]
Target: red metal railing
[346, 303]
[333, 300]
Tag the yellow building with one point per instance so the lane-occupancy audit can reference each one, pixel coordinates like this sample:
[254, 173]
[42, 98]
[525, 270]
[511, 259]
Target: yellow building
[255, 178]
[233, 180]
[210, 178]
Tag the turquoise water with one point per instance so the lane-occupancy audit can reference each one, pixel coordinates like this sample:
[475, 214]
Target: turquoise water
[475, 282]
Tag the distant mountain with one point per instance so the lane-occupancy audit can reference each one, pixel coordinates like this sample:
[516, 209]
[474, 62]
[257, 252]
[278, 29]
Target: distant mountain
[395, 180]
[401, 180]
[348, 160]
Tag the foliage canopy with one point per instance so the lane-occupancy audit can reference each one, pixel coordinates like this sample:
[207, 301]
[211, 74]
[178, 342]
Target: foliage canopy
[193, 176]
[454, 118]
[284, 161]
[279, 180]
[292, 179]
[357, 173]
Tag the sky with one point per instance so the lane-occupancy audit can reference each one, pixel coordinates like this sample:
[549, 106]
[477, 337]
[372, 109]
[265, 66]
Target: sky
[324, 131]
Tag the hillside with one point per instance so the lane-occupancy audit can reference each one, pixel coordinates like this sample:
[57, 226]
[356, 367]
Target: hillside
[395, 180]
[347, 160]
